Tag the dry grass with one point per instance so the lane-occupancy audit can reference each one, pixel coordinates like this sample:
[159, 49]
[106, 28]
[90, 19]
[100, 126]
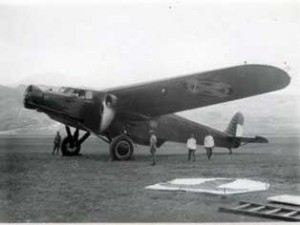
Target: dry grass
[38, 187]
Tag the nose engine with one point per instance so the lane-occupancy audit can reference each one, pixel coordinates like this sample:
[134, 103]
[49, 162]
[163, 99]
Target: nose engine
[33, 97]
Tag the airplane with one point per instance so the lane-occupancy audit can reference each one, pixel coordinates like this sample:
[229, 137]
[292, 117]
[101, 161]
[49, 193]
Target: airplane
[125, 115]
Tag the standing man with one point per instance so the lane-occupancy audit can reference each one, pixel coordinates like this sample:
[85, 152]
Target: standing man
[209, 144]
[153, 141]
[57, 140]
[191, 146]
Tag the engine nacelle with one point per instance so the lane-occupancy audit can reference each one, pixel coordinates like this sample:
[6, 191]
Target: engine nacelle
[110, 100]
[108, 111]
[33, 96]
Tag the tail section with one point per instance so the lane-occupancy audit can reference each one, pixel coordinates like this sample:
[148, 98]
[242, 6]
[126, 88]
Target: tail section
[235, 131]
[235, 127]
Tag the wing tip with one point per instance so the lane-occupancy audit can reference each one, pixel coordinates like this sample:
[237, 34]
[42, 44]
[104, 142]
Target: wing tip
[278, 77]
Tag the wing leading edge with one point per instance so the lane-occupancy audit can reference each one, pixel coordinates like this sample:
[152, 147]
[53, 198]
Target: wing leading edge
[201, 89]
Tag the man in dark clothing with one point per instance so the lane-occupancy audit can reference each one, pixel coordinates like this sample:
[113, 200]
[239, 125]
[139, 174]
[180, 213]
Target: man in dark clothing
[57, 140]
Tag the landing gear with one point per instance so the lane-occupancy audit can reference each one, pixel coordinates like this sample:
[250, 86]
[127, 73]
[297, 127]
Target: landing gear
[121, 148]
[70, 145]
[230, 151]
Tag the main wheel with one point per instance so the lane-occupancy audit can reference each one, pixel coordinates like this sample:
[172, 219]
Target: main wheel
[121, 148]
[68, 148]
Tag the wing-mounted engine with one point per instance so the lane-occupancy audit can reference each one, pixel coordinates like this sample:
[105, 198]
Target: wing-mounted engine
[107, 111]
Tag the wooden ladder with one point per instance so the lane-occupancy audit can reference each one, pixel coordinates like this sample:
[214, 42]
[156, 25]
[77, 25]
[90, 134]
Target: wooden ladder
[264, 210]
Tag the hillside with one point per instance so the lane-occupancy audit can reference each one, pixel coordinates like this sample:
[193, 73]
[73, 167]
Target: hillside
[15, 119]
[270, 115]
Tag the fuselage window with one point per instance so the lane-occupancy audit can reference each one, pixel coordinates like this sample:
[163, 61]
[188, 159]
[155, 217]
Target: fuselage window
[81, 93]
[88, 95]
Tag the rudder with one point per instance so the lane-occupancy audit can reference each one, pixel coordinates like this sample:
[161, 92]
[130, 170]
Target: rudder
[235, 127]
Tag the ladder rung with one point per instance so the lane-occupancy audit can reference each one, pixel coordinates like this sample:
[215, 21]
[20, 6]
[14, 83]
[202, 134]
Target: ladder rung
[257, 208]
[273, 211]
[264, 210]
[243, 206]
[290, 213]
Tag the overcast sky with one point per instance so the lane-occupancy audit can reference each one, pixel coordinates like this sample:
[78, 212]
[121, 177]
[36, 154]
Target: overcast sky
[115, 43]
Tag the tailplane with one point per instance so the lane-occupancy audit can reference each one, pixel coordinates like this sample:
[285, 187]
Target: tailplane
[235, 127]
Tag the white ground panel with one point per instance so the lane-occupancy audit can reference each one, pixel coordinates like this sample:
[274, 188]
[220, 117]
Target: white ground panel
[286, 199]
[218, 186]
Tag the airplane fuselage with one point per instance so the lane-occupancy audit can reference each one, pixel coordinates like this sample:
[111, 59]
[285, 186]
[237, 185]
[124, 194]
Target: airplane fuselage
[125, 115]
[86, 112]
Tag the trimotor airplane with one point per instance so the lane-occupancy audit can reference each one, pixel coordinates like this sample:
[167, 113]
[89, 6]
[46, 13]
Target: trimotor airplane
[123, 116]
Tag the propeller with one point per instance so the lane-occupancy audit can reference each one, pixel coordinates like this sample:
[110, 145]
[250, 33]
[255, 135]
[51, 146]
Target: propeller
[107, 111]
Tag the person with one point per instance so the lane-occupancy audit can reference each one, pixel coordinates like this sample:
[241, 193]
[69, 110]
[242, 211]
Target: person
[153, 141]
[57, 140]
[191, 146]
[209, 145]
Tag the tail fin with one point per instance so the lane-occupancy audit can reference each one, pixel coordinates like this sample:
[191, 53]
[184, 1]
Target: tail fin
[235, 127]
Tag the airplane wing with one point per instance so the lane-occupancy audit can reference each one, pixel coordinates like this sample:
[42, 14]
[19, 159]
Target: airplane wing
[199, 90]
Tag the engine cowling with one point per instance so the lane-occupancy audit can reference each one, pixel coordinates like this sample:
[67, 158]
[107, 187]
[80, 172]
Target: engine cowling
[33, 96]
[108, 111]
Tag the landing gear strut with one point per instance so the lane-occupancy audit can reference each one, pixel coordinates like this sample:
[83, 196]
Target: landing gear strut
[71, 145]
[121, 148]
[230, 151]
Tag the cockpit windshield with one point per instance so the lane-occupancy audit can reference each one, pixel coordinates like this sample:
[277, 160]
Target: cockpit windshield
[80, 93]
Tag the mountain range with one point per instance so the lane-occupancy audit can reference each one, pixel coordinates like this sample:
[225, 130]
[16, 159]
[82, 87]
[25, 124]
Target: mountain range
[269, 115]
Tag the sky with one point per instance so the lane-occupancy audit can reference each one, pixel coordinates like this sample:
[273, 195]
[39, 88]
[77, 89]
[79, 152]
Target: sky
[102, 44]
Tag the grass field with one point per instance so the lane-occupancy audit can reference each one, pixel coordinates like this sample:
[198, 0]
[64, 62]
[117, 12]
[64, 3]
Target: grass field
[38, 187]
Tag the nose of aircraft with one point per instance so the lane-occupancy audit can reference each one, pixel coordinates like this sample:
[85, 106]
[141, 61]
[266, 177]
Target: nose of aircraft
[33, 97]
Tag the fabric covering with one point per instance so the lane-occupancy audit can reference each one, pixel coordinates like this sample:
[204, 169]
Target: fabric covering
[219, 186]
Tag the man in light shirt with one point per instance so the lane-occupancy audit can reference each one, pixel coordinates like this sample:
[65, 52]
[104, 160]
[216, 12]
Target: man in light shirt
[191, 146]
[209, 145]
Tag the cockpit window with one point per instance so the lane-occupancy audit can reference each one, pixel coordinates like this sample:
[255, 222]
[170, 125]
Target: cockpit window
[88, 95]
[84, 94]
[79, 93]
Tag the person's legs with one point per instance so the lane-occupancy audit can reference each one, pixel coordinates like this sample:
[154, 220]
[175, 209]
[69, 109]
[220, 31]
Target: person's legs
[194, 157]
[189, 155]
[209, 153]
[111, 156]
[153, 157]
[57, 150]
[53, 151]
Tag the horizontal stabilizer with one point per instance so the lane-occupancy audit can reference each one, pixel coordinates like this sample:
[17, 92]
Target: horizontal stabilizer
[256, 139]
